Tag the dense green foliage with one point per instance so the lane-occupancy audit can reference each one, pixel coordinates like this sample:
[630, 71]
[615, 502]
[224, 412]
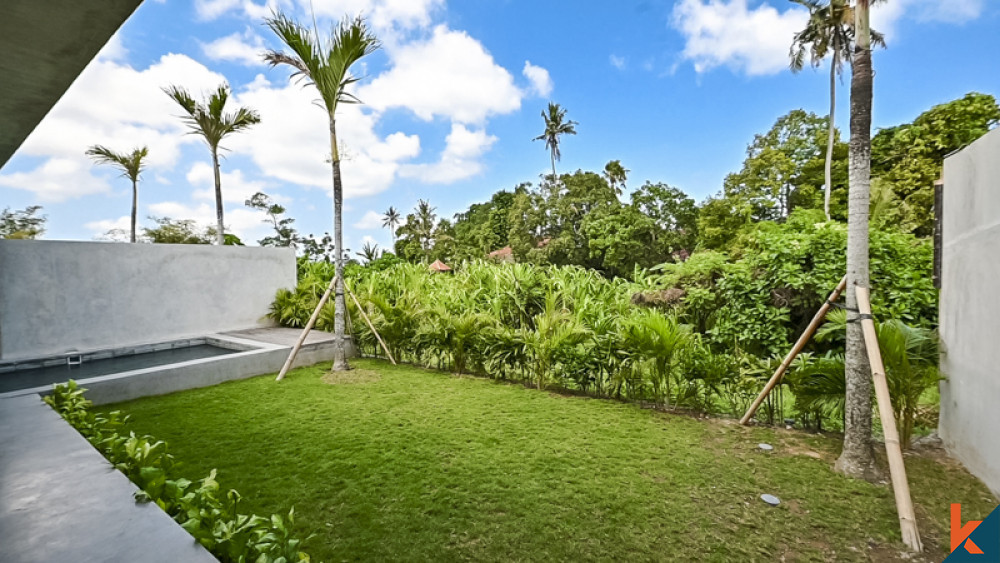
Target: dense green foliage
[701, 334]
[909, 157]
[214, 519]
[422, 466]
[22, 224]
[581, 218]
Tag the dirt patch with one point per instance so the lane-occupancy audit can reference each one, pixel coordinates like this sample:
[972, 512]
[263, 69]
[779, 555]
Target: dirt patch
[350, 377]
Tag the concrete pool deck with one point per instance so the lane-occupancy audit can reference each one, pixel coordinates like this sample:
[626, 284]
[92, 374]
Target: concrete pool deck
[61, 501]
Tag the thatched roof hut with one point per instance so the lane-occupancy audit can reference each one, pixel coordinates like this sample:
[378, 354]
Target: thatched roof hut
[439, 266]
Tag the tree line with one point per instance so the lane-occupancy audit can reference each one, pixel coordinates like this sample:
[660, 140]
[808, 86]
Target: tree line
[582, 218]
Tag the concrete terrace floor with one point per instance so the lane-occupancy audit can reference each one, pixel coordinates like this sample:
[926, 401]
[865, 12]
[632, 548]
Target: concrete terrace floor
[61, 501]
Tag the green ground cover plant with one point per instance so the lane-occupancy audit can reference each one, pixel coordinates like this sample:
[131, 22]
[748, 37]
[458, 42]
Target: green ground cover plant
[418, 465]
[215, 518]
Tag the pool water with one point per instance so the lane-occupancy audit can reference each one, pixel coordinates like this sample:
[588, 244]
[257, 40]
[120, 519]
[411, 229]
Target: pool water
[45, 376]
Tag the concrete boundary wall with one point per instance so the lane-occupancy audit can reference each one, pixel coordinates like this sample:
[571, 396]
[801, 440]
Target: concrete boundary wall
[970, 308]
[59, 296]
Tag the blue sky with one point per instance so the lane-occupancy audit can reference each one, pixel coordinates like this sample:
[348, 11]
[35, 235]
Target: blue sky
[675, 90]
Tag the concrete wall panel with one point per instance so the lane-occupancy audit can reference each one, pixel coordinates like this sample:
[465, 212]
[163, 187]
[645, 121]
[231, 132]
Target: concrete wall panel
[970, 308]
[57, 296]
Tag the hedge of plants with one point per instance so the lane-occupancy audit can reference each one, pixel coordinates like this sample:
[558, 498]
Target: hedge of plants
[702, 334]
[200, 507]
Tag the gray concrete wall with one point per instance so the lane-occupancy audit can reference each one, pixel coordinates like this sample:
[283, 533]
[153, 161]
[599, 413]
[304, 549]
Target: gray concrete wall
[60, 295]
[970, 308]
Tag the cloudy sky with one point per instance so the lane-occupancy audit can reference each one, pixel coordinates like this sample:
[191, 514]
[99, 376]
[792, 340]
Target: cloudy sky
[675, 90]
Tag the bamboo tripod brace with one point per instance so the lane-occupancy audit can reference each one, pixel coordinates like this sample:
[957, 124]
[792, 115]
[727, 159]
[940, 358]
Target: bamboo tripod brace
[312, 321]
[799, 345]
[897, 469]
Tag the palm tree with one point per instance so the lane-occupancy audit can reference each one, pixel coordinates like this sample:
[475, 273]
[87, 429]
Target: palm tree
[616, 174]
[326, 64]
[555, 125]
[391, 220]
[857, 458]
[425, 224]
[209, 120]
[369, 252]
[131, 164]
[658, 338]
[830, 31]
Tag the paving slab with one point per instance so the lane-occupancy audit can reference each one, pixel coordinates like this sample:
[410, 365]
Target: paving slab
[283, 336]
[62, 501]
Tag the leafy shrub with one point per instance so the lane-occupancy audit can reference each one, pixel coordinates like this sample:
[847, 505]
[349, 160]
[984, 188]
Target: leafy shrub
[733, 314]
[213, 519]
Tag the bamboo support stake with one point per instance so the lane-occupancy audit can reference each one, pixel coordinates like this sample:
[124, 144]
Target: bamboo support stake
[370, 325]
[305, 331]
[796, 349]
[897, 470]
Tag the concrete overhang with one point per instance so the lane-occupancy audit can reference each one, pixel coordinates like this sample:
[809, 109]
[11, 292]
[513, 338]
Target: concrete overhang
[46, 45]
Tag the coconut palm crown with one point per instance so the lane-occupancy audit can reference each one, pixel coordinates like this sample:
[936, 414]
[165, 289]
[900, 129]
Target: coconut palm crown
[830, 31]
[555, 126]
[209, 120]
[131, 164]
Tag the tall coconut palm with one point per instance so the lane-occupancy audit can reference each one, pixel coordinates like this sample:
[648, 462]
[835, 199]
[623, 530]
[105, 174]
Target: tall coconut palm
[326, 64]
[616, 175]
[209, 120]
[555, 126]
[426, 218]
[391, 220]
[857, 458]
[131, 164]
[830, 31]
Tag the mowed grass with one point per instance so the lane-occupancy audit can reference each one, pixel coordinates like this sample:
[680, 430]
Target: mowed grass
[415, 465]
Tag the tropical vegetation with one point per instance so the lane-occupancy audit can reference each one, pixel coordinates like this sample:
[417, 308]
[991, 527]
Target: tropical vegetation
[215, 518]
[325, 63]
[131, 165]
[209, 120]
[700, 334]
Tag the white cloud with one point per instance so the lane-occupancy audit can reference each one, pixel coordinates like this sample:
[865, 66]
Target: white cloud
[102, 227]
[729, 33]
[115, 105]
[292, 142]
[448, 75]
[236, 187]
[617, 62]
[459, 160]
[370, 220]
[57, 179]
[248, 224]
[211, 9]
[384, 15]
[949, 11]
[244, 48]
[756, 40]
[114, 49]
[541, 82]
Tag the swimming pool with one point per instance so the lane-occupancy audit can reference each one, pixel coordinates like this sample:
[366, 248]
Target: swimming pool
[39, 373]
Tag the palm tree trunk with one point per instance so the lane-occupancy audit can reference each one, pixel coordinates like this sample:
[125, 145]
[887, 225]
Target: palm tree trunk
[135, 200]
[857, 458]
[220, 237]
[340, 305]
[827, 172]
[552, 155]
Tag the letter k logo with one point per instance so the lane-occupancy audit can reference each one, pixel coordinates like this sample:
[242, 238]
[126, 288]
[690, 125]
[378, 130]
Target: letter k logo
[960, 533]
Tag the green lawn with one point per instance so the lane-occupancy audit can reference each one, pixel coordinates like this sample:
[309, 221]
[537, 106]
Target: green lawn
[424, 466]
